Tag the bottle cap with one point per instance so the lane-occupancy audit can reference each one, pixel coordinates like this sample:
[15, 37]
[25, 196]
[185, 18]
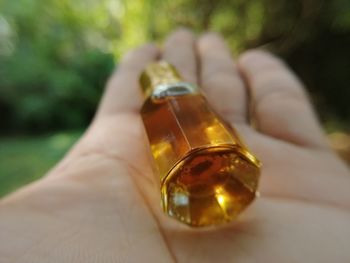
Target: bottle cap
[156, 74]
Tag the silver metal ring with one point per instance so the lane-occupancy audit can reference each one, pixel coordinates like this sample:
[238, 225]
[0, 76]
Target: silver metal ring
[174, 89]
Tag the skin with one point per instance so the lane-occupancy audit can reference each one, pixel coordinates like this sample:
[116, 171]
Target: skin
[101, 204]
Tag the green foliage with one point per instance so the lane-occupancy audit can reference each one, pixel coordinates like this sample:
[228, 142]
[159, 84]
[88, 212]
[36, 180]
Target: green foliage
[40, 94]
[52, 77]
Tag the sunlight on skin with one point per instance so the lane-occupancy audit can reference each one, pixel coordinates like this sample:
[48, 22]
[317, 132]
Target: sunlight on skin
[101, 202]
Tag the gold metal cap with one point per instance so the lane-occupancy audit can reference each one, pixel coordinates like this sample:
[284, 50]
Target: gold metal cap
[158, 73]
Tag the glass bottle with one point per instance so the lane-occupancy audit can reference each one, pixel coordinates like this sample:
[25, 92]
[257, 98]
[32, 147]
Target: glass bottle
[207, 175]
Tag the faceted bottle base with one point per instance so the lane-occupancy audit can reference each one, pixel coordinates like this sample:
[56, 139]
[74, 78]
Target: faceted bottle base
[210, 187]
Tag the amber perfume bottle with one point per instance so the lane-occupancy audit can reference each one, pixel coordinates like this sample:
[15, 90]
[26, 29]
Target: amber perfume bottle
[207, 176]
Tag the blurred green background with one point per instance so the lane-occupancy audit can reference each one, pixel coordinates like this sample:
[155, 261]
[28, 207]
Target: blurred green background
[55, 57]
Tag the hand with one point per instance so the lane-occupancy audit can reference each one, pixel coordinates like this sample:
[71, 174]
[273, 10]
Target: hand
[100, 203]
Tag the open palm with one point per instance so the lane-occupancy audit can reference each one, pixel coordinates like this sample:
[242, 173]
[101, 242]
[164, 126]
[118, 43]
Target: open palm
[100, 203]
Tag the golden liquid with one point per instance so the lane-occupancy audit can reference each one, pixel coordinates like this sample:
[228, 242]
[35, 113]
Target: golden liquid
[207, 176]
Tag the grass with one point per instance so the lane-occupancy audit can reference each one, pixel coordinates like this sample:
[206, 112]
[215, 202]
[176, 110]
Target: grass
[25, 159]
